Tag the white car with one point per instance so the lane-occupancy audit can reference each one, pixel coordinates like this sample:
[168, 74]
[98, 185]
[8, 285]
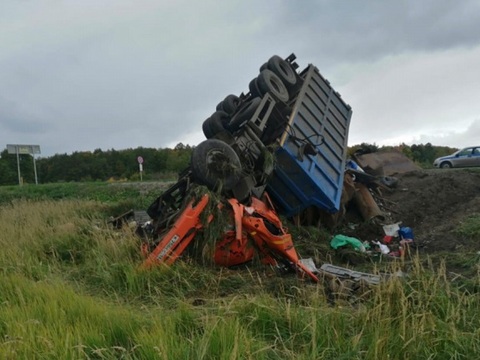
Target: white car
[469, 156]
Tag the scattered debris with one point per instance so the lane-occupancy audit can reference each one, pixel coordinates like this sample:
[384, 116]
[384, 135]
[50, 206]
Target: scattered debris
[383, 248]
[391, 229]
[342, 240]
[343, 273]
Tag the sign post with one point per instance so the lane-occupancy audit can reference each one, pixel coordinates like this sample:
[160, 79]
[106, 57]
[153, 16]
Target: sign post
[140, 166]
[24, 150]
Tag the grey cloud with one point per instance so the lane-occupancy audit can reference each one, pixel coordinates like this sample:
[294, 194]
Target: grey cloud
[463, 137]
[352, 31]
[14, 120]
[121, 74]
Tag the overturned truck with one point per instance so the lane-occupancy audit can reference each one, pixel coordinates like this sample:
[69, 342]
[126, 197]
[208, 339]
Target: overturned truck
[279, 148]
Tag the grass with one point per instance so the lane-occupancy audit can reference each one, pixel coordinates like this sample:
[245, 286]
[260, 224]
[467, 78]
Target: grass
[470, 227]
[136, 196]
[72, 288]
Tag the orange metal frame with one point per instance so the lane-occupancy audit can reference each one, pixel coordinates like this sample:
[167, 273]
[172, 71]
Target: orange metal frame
[238, 246]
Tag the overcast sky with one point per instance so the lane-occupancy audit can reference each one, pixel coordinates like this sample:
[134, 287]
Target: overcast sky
[82, 75]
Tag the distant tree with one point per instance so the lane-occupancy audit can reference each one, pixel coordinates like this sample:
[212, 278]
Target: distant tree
[405, 150]
[178, 159]
[423, 153]
[8, 169]
[103, 165]
[179, 146]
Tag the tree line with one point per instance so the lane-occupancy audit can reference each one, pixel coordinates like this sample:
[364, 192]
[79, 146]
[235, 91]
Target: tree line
[158, 164]
[97, 165]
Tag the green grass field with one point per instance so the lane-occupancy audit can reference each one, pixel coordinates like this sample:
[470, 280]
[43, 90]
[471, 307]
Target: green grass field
[72, 288]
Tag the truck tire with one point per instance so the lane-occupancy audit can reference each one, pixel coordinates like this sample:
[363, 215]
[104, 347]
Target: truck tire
[253, 87]
[215, 124]
[244, 114]
[264, 67]
[267, 81]
[206, 129]
[220, 118]
[215, 165]
[230, 104]
[283, 70]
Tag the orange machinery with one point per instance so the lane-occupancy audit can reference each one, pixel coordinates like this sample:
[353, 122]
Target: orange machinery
[257, 229]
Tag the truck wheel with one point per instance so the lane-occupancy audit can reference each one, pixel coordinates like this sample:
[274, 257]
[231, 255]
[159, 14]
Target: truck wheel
[253, 87]
[206, 129]
[221, 118]
[283, 70]
[446, 165]
[230, 104]
[216, 165]
[244, 114]
[215, 124]
[267, 81]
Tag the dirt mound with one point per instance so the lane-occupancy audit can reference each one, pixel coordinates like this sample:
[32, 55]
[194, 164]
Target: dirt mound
[434, 203]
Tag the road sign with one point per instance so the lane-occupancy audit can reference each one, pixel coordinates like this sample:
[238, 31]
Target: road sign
[140, 160]
[24, 150]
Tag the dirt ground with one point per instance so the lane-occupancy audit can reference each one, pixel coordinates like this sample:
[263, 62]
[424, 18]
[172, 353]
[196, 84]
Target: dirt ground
[431, 202]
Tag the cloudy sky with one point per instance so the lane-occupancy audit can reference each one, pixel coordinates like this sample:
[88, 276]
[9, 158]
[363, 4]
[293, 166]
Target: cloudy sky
[82, 75]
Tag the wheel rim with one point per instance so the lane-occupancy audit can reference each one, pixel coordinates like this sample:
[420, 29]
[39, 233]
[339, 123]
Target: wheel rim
[216, 165]
[283, 70]
[268, 81]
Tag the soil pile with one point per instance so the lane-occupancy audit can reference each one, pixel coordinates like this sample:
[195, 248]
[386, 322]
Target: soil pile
[434, 203]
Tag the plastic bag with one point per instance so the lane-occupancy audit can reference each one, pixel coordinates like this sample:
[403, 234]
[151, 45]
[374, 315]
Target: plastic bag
[391, 229]
[405, 233]
[343, 240]
[384, 249]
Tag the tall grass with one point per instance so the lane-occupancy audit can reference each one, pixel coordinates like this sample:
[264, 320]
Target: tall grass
[71, 288]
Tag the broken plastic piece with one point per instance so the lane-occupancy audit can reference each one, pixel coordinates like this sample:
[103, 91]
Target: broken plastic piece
[391, 229]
